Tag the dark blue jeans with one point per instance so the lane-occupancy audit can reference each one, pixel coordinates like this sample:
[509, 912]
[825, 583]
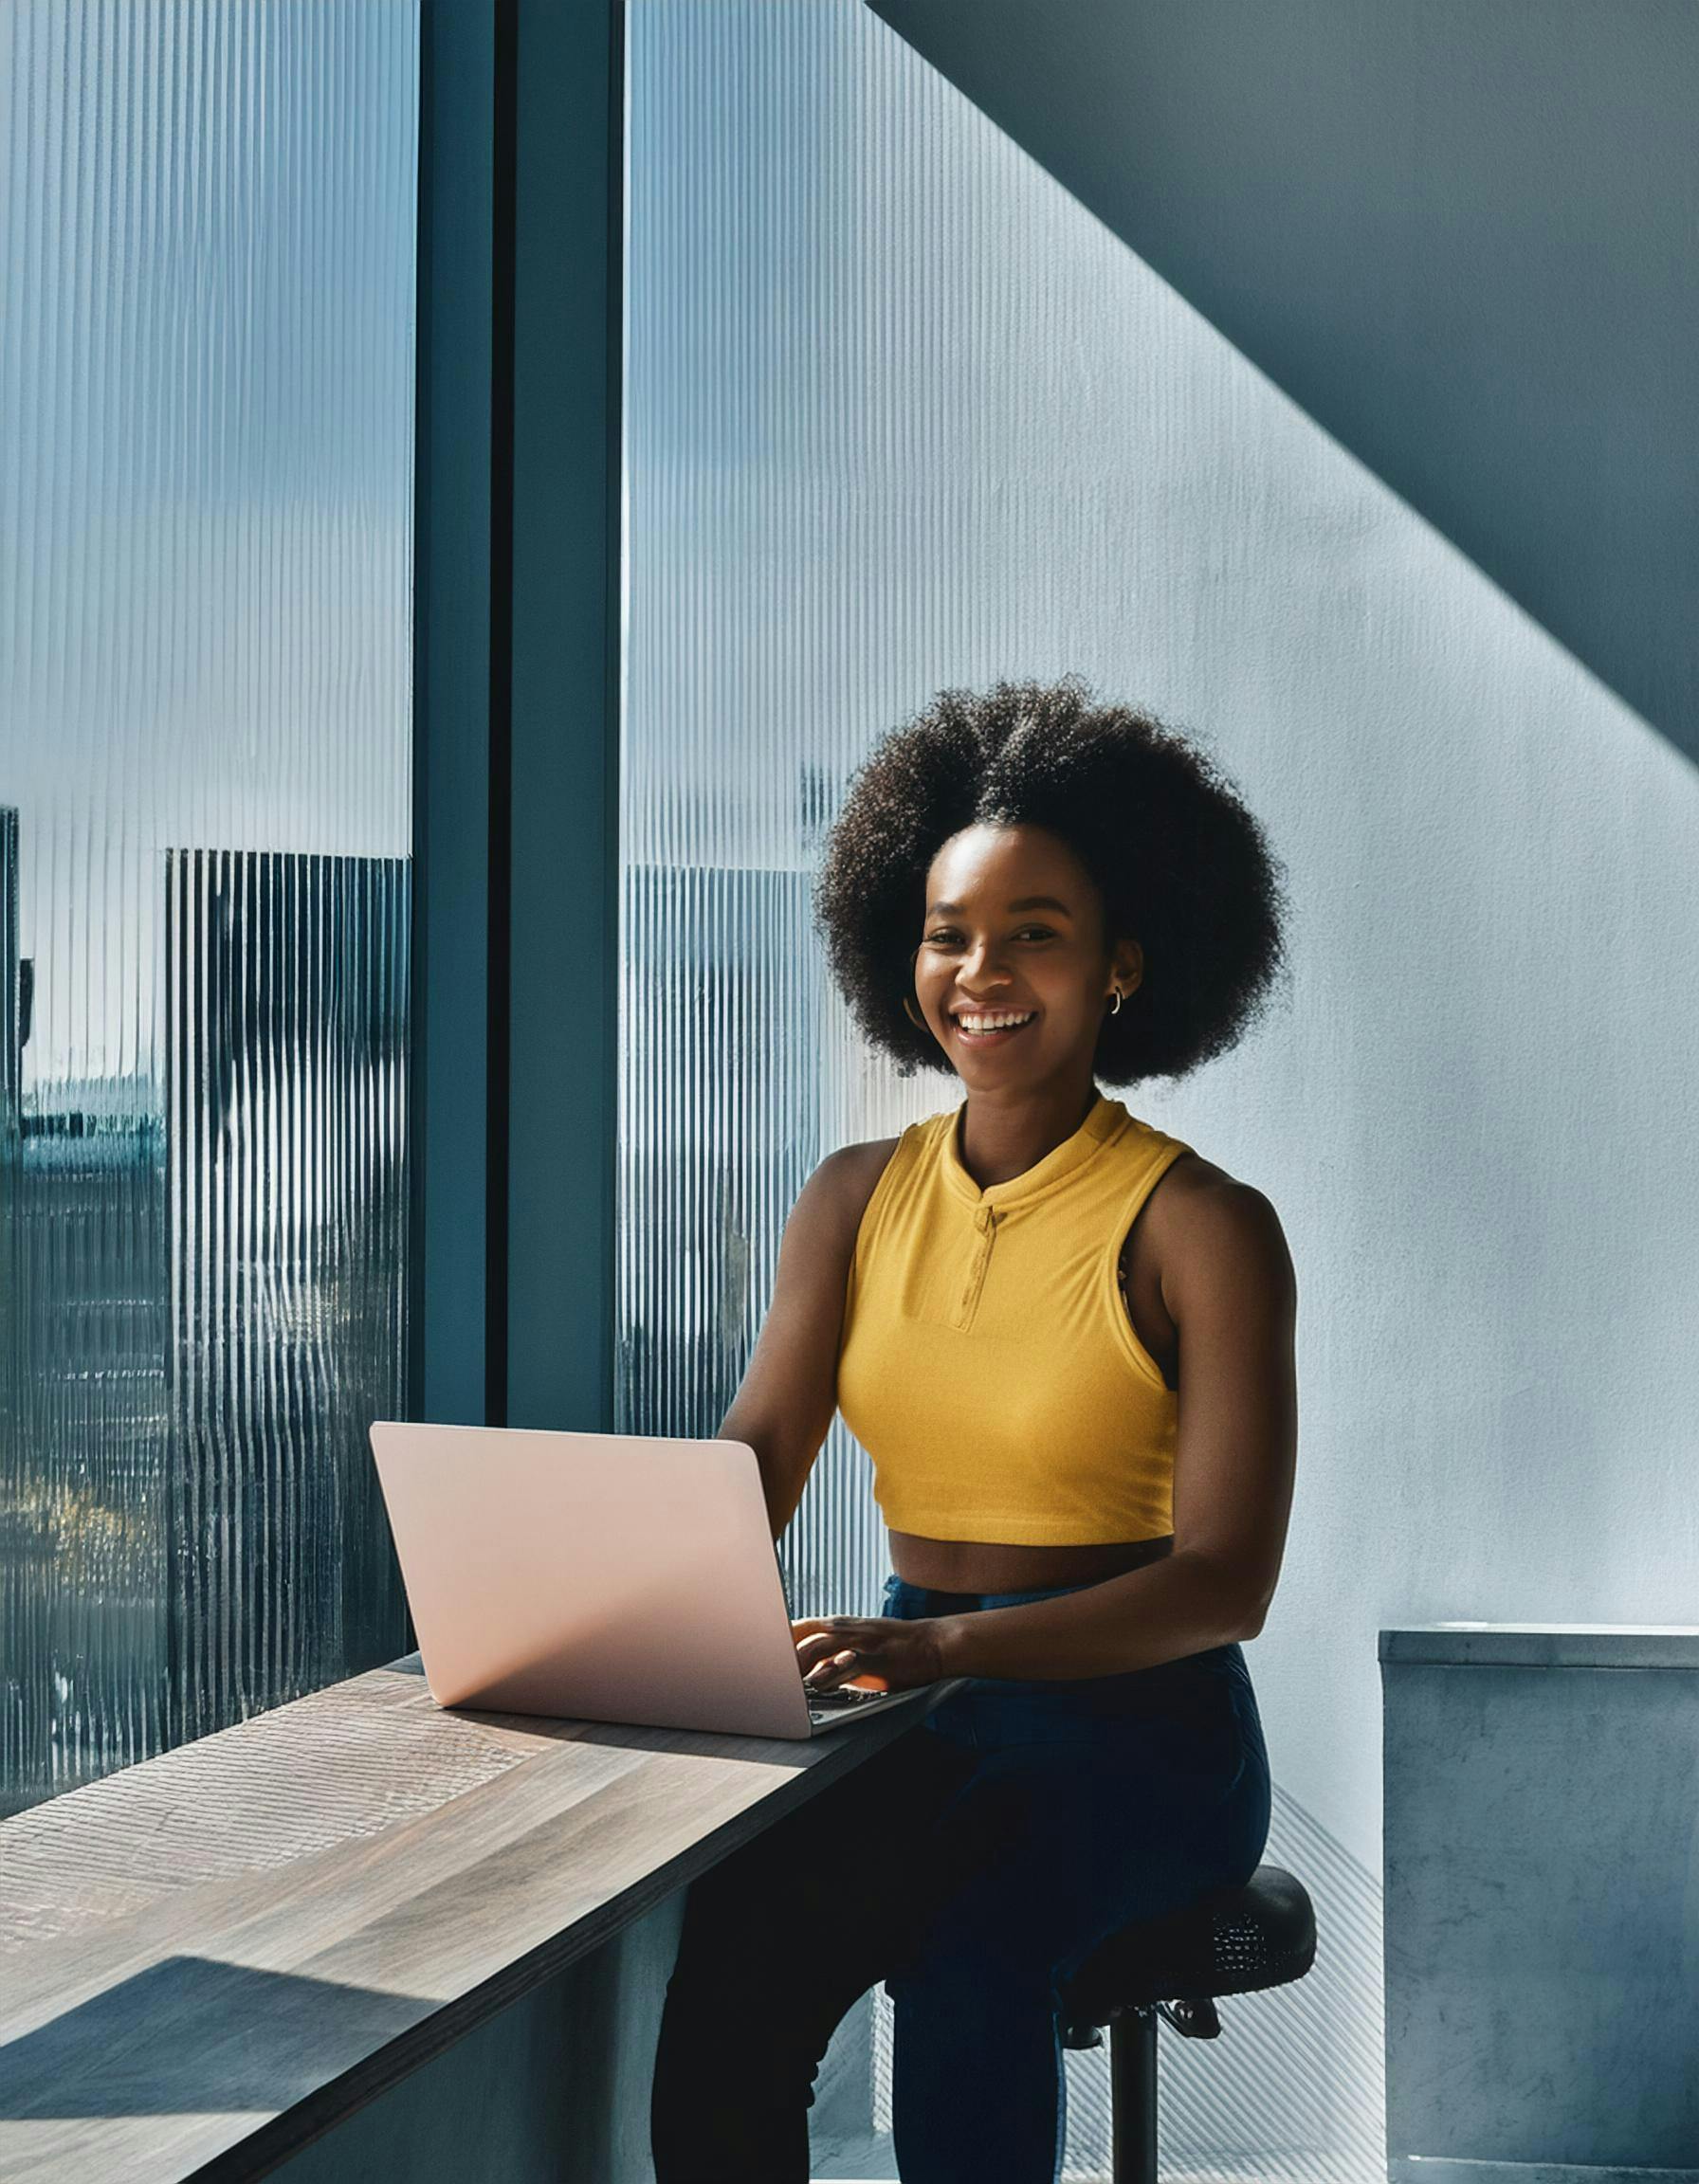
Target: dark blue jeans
[971, 1865]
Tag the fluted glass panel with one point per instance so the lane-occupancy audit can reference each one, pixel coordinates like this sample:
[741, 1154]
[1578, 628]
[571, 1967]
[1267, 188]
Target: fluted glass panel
[206, 265]
[738, 1069]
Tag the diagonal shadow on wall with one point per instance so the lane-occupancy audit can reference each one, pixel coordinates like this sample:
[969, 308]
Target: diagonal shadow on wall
[1458, 235]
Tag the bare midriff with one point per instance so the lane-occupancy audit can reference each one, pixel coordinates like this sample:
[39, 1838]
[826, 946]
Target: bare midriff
[982, 1566]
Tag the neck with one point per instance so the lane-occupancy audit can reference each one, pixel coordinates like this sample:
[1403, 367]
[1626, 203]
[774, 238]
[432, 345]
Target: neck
[1003, 1133]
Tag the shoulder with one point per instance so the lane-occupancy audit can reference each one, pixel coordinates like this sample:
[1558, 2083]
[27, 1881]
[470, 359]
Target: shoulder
[849, 1178]
[824, 1222]
[1205, 1225]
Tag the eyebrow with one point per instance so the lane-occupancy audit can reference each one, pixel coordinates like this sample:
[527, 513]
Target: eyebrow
[1026, 902]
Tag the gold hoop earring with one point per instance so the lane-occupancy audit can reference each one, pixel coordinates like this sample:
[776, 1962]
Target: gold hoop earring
[920, 1023]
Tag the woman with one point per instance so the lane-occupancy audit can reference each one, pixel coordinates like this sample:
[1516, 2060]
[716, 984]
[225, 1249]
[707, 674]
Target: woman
[1065, 1342]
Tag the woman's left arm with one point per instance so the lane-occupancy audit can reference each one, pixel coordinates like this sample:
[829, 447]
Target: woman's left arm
[1229, 1285]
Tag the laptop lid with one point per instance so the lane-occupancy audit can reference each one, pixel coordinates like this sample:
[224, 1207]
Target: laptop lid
[604, 1576]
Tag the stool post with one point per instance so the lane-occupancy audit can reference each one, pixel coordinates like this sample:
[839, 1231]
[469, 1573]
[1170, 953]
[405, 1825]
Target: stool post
[1133, 2095]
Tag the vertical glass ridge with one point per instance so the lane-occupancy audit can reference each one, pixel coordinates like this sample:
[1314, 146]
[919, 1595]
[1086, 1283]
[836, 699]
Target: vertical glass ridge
[286, 999]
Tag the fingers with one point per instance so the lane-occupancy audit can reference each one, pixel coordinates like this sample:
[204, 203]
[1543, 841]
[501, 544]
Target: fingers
[837, 1669]
[815, 1640]
[834, 1650]
[813, 1652]
[824, 1658]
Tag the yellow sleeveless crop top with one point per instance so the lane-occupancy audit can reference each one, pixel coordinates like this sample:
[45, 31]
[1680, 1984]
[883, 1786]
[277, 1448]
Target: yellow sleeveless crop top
[987, 1364]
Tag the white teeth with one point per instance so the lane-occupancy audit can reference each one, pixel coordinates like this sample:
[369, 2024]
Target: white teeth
[991, 1023]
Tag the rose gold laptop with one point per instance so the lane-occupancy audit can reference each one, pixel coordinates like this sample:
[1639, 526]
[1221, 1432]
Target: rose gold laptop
[603, 1577]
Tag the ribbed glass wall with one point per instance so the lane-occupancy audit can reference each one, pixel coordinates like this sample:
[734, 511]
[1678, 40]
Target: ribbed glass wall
[206, 264]
[738, 1072]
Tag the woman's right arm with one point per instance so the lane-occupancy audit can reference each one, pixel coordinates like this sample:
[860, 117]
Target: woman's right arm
[790, 1391]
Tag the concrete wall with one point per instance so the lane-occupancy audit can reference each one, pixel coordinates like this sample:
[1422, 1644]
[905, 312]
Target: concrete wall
[1527, 1772]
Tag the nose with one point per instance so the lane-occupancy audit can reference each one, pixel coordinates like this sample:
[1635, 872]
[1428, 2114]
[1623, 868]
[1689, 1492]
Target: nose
[978, 966]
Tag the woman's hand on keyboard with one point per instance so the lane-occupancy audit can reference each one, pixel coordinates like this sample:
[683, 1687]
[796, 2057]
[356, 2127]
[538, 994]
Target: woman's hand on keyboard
[878, 1653]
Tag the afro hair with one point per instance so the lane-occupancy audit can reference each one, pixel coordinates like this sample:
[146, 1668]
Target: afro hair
[1182, 864]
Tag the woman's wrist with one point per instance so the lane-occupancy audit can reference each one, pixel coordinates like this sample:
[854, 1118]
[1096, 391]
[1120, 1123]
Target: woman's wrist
[949, 1633]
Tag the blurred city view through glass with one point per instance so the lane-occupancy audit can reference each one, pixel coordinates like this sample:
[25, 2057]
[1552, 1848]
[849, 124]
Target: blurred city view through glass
[207, 271]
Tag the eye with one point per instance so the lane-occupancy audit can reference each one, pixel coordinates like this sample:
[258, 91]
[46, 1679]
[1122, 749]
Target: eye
[947, 934]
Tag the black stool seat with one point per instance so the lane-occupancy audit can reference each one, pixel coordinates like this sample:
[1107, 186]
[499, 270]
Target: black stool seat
[1232, 1941]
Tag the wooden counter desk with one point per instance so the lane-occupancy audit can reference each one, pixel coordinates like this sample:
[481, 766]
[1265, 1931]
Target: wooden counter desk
[209, 1960]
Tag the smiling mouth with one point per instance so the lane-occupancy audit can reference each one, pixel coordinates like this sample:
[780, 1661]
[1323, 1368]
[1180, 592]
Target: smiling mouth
[991, 1038]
